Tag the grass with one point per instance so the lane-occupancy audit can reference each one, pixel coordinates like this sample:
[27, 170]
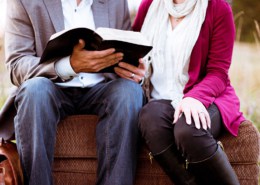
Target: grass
[4, 79]
[244, 73]
[245, 79]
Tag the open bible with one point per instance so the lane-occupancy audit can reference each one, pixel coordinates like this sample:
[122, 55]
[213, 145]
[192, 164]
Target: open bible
[132, 44]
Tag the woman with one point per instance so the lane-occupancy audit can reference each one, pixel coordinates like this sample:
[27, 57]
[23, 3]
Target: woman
[191, 99]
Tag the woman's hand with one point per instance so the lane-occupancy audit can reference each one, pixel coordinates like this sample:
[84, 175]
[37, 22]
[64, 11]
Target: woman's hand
[193, 108]
[130, 72]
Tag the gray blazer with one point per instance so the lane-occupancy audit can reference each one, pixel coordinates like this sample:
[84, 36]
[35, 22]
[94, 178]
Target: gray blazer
[29, 27]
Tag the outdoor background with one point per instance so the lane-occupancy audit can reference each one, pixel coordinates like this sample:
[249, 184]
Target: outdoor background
[245, 65]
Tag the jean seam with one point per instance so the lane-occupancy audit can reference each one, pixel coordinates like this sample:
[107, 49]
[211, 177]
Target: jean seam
[107, 140]
[22, 149]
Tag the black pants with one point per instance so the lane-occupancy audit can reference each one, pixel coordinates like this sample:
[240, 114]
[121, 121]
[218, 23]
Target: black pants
[155, 124]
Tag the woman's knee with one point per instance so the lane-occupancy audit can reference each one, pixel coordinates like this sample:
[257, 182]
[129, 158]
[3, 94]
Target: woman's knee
[182, 129]
[155, 126]
[195, 143]
[185, 134]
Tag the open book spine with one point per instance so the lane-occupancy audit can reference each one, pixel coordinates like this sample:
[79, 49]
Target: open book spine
[92, 42]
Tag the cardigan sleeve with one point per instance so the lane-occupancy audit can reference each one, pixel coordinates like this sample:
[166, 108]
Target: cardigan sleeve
[219, 58]
[140, 16]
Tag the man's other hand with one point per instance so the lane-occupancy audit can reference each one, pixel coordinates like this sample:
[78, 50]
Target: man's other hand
[131, 72]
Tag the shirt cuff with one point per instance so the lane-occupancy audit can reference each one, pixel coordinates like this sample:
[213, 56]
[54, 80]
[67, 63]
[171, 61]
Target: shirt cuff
[64, 69]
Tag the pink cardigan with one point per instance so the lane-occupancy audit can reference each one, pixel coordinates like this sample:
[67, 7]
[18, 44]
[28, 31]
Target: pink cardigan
[210, 61]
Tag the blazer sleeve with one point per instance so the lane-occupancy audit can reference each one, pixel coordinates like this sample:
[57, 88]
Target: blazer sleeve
[140, 16]
[20, 47]
[219, 58]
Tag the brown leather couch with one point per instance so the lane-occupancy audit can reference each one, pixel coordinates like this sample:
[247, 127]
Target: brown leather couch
[75, 155]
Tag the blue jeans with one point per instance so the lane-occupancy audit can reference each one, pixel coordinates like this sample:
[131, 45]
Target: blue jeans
[41, 105]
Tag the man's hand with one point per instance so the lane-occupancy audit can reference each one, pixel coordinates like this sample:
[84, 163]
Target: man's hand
[131, 72]
[82, 60]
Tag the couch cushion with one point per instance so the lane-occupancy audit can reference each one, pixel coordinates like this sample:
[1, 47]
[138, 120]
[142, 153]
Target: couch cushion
[76, 137]
[75, 154]
[245, 147]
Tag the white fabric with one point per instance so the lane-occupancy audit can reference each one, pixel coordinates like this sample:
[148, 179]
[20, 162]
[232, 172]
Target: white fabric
[64, 69]
[172, 48]
[165, 85]
[77, 16]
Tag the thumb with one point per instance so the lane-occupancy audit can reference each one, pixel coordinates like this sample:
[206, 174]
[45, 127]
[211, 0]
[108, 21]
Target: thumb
[141, 64]
[177, 114]
[80, 45]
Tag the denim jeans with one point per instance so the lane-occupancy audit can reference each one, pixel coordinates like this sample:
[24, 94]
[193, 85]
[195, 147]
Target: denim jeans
[41, 105]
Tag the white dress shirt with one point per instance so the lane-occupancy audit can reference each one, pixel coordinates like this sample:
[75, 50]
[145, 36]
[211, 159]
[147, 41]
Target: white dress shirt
[76, 16]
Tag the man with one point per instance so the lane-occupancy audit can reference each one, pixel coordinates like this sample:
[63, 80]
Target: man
[52, 90]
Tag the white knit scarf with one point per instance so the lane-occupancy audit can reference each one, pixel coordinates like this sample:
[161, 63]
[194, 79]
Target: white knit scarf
[155, 27]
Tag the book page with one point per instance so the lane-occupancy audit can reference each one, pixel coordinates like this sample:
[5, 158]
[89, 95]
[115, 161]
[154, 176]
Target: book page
[122, 35]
